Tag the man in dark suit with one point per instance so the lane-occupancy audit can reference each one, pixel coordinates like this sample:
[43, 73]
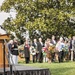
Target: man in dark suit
[35, 56]
[39, 48]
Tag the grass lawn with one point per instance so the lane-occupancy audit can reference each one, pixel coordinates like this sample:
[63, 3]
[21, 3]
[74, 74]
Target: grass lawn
[66, 68]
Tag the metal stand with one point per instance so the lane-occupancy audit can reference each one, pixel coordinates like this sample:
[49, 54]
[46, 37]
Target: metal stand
[4, 67]
[10, 69]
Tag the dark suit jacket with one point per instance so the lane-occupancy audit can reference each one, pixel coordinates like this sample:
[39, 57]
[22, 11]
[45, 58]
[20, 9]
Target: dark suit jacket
[34, 45]
[39, 47]
[26, 52]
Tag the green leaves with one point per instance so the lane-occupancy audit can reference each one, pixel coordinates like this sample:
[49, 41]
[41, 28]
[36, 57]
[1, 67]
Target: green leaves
[48, 16]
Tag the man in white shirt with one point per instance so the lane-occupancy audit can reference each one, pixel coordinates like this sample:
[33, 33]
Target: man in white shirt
[59, 46]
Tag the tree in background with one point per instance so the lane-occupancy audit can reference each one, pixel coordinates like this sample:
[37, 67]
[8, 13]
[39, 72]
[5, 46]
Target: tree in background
[50, 17]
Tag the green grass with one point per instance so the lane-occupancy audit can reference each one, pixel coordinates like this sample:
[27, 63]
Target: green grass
[66, 68]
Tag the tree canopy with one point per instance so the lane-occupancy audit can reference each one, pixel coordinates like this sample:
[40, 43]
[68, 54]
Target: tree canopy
[51, 17]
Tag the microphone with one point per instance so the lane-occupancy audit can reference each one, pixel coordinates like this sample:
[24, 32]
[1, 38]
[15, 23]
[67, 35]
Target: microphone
[3, 28]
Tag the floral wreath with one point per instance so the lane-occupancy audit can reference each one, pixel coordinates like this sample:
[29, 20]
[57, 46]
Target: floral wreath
[32, 50]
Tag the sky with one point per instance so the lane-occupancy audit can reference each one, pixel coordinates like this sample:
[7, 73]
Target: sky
[4, 16]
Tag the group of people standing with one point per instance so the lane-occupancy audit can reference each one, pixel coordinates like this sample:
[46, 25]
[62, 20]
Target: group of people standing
[36, 51]
[13, 51]
[62, 49]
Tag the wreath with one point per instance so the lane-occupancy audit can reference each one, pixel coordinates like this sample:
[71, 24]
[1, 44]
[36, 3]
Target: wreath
[32, 50]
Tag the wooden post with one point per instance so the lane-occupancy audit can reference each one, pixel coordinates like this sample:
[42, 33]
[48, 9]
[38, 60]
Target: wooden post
[3, 59]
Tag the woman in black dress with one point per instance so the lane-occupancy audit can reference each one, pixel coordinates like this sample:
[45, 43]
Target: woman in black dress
[26, 51]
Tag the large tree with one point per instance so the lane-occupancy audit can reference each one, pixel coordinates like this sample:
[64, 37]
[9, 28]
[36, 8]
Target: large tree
[51, 17]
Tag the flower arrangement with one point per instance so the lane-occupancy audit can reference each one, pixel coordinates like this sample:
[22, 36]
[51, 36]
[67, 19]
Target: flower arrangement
[21, 51]
[32, 50]
[21, 47]
[51, 48]
[44, 50]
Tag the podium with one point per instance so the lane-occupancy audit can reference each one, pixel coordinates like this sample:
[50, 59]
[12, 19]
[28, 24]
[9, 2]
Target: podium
[3, 59]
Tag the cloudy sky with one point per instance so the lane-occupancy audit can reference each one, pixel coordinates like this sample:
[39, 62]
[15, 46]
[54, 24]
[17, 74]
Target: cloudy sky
[4, 16]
